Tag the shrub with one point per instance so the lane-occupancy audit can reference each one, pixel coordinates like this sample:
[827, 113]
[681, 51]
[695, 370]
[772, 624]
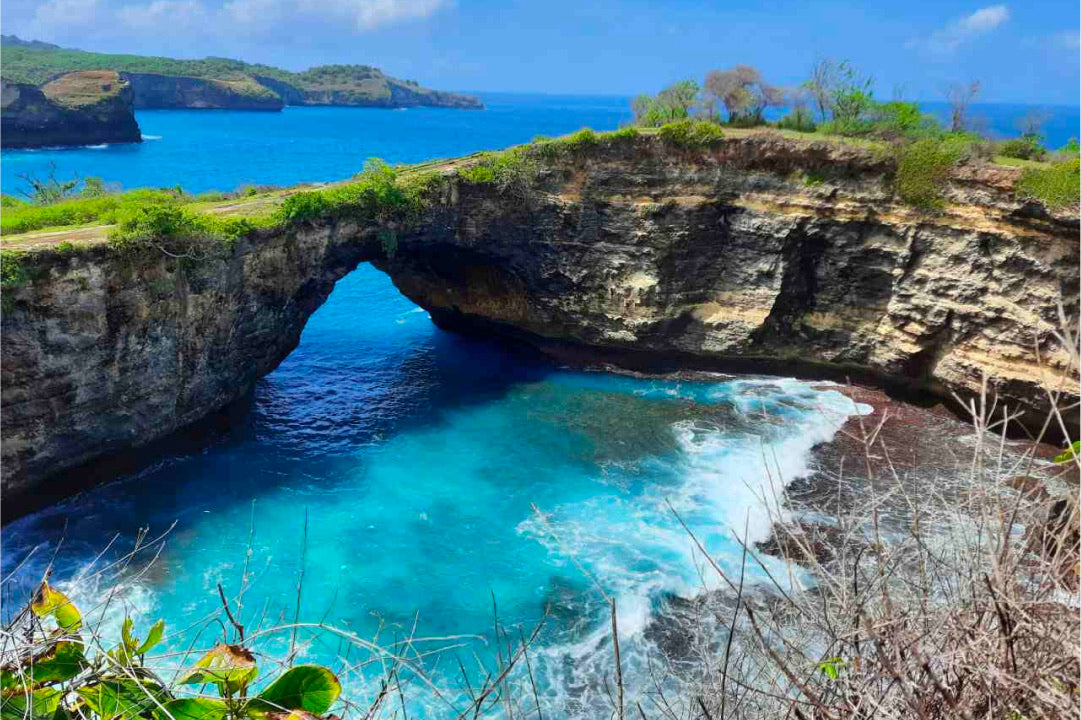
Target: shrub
[583, 138]
[800, 120]
[93, 187]
[1058, 186]
[923, 167]
[304, 207]
[478, 174]
[167, 228]
[12, 271]
[7, 201]
[691, 133]
[1026, 147]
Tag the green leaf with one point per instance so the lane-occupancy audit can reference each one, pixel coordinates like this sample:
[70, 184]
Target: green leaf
[152, 638]
[49, 602]
[125, 698]
[831, 667]
[125, 633]
[1071, 452]
[194, 709]
[43, 703]
[306, 687]
[62, 661]
[228, 666]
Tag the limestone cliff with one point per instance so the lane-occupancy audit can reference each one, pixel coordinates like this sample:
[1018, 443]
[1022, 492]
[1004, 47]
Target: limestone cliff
[757, 254]
[84, 108]
[171, 92]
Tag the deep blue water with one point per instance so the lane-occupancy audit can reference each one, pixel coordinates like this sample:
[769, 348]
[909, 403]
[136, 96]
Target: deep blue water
[222, 150]
[417, 455]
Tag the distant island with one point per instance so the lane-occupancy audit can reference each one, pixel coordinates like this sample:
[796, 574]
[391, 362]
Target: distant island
[217, 83]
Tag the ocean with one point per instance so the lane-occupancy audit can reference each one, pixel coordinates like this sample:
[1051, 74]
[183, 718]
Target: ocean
[414, 482]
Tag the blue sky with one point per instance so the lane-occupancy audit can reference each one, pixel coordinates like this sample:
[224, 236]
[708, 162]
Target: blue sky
[1021, 52]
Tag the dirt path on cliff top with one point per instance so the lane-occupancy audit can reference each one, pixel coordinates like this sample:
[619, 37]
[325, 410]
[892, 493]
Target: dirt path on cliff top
[93, 234]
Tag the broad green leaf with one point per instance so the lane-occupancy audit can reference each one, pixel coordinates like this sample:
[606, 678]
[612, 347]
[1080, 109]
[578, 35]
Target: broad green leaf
[1071, 452]
[43, 703]
[306, 687]
[194, 709]
[229, 666]
[9, 679]
[49, 602]
[124, 698]
[152, 638]
[289, 715]
[60, 662]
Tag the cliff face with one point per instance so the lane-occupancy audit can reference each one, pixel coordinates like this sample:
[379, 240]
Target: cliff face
[756, 255]
[382, 91]
[764, 255]
[85, 108]
[171, 92]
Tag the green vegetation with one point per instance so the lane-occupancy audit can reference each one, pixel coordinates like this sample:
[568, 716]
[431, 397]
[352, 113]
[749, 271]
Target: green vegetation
[1027, 147]
[93, 208]
[691, 133]
[377, 193]
[675, 102]
[360, 84]
[54, 674]
[1057, 186]
[923, 167]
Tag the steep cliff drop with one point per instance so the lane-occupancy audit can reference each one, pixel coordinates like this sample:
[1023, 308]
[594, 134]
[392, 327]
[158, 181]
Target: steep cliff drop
[82, 108]
[629, 250]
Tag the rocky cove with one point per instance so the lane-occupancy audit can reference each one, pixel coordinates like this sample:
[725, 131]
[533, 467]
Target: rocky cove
[631, 251]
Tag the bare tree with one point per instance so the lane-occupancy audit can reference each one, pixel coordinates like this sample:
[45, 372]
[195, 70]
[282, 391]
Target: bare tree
[960, 97]
[1031, 125]
[820, 84]
[743, 93]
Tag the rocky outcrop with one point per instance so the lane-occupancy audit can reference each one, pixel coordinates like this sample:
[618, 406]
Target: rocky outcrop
[171, 92]
[85, 108]
[382, 91]
[758, 254]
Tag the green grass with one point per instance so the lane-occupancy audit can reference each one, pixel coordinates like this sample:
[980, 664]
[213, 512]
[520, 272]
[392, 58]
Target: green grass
[1057, 186]
[24, 217]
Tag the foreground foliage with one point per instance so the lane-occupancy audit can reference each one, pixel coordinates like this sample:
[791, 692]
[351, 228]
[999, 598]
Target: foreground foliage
[53, 674]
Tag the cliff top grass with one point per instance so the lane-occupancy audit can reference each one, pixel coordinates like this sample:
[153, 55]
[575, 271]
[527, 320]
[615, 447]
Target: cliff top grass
[922, 168]
[84, 88]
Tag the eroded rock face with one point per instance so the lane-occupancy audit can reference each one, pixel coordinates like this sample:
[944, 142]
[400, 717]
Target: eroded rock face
[764, 255]
[172, 92]
[758, 255]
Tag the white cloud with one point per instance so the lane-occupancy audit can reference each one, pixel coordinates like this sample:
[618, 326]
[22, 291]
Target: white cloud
[372, 14]
[947, 40]
[164, 15]
[56, 13]
[1068, 40]
[256, 17]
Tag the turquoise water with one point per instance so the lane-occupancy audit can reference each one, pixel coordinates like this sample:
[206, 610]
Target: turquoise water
[416, 458]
